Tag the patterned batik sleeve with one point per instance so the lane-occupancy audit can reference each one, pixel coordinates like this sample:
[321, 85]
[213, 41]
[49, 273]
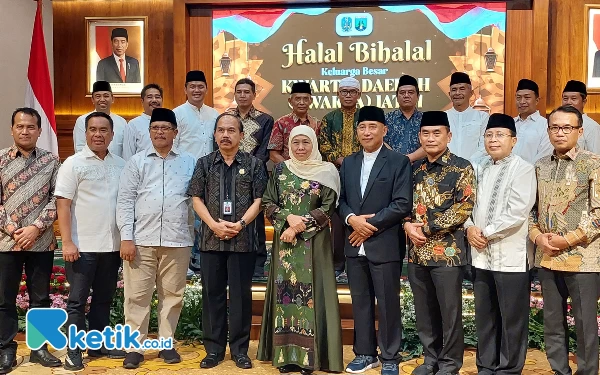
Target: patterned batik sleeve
[318, 219]
[198, 181]
[259, 181]
[48, 215]
[270, 202]
[276, 140]
[460, 211]
[534, 226]
[326, 147]
[589, 226]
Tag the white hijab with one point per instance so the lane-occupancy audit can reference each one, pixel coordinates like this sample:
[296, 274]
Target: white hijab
[314, 168]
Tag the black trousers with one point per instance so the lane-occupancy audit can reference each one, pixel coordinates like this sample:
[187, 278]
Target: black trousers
[438, 307]
[98, 271]
[261, 251]
[38, 268]
[220, 268]
[338, 241]
[368, 281]
[583, 290]
[502, 320]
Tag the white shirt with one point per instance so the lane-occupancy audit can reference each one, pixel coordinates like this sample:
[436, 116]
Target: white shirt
[467, 129]
[506, 193]
[92, 185]
[153, 207]
[533, 142]
[116, 145]
[196, 129]
[590, 140]
[365, 171]
[137, 136]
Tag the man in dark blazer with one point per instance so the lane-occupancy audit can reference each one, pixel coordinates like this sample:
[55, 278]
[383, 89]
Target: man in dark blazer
[119, 68]
[375, 198]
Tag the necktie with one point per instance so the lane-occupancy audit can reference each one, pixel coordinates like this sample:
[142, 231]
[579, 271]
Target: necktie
[122, 70]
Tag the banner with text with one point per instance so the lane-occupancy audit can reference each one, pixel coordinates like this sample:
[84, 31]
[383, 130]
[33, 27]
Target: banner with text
[278, 47]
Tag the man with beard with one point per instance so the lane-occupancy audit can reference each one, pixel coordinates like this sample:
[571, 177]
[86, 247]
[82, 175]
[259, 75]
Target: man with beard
[257, 131]
[467, 125]
[300, 99]
[532, 128]
[338, 139]
[137, 135]
[27, 212]
[443, 198]
[575, 95]
[403, 123]
[103, 99]
[153, 211]
[226, 191]
[196, 124]
[86, 188]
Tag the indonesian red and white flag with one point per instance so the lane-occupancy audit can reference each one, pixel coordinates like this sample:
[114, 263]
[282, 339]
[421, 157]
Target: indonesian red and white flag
[38, 94]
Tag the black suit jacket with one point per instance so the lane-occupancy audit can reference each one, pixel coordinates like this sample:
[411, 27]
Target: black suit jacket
[388, 195]
[108, 70]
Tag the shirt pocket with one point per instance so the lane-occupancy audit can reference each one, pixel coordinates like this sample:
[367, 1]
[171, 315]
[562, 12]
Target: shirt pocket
[443, 199]
[472, 130]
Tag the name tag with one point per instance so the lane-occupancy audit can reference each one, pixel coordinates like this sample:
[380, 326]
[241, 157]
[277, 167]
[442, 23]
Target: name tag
[227, 207]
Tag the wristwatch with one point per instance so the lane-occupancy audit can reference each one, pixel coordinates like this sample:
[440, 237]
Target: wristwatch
[243, 223]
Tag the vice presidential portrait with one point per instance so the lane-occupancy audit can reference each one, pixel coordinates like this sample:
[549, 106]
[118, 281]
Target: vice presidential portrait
[118, 67]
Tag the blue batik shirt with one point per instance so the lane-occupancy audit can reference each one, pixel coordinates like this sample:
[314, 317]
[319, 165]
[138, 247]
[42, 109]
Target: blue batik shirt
[403, 133]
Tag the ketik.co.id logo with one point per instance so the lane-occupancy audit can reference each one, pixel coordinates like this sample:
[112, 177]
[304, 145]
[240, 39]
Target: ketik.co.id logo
[43, 325]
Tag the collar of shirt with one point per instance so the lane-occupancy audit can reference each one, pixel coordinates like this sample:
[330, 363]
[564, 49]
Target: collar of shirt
[219, 157]
[152, 152]
[118, 60]
[469, 109]
[372, 155]
[533, 117]
[349, 111]
[252, 113]
[144, 115]
[193, 107]
[442, 160]
[88, 153]
[504, 160]
[416, 111]
[298, 121]
[14, 152]
[571, 154]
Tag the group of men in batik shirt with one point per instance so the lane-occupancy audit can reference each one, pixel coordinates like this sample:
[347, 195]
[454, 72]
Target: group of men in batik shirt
[493, 192]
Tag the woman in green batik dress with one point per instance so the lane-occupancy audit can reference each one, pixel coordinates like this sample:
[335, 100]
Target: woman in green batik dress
[301, 328]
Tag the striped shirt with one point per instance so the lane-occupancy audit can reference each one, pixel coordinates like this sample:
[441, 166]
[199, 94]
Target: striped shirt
[28, 196]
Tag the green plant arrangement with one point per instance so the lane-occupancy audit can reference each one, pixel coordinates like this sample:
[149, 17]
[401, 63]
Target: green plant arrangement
[189, 328]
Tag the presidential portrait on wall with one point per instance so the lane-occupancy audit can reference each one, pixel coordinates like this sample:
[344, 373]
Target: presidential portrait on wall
[593, 47]
[116, 53]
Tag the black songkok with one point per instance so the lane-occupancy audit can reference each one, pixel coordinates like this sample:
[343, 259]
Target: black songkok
[301, 88]
[119, 32]
[195, 76]
[500, 120]
[527, 84]
[407, 80]
[576, 86]
[371, 113]
[459, 77]
[101, 86]
[163, 114]
[435, 118]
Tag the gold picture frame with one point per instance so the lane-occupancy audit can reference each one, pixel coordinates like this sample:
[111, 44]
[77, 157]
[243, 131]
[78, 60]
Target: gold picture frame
[109, 60]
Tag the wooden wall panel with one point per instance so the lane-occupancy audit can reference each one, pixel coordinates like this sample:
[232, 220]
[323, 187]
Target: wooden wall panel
[567, 59]
[70, 57]
[200, 57]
